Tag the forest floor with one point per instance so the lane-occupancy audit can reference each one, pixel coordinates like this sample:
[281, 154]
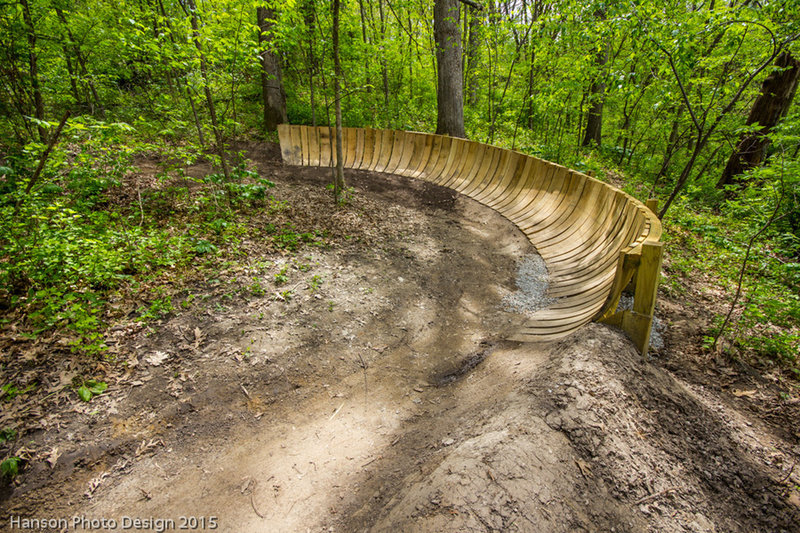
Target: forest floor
[379, 394]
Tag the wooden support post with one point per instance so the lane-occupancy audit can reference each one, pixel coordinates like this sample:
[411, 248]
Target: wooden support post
[652, 205]
[637, 323]
[644, 299]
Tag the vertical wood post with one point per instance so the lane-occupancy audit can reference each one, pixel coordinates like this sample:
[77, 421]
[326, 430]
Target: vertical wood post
[644, 299]
[652, 205]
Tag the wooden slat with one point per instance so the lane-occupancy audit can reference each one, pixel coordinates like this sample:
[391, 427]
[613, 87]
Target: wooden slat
[385, 150]
[416, 168]
[350, 143]
[325, 146]
[464, 165]
[398, 149]
[454, 159]
[359, 149]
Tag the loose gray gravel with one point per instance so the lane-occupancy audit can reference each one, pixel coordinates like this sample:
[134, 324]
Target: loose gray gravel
[532, 283]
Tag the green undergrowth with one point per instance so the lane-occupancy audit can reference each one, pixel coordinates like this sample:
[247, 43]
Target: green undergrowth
[706, 251]
[92, 232]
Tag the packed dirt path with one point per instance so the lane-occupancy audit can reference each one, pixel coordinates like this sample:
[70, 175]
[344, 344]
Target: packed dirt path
[380, 395]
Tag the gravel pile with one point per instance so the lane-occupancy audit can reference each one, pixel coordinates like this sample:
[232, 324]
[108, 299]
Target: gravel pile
[532, 282]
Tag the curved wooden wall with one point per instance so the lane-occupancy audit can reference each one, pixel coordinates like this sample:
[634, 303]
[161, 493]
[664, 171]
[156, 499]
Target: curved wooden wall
[593, 237]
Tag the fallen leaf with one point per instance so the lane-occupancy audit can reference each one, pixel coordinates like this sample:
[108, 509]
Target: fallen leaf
[741, 393]
[157, 358]
[584, 467]
[52, 457]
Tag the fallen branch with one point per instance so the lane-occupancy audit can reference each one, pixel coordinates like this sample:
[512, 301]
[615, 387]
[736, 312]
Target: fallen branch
[655, 495]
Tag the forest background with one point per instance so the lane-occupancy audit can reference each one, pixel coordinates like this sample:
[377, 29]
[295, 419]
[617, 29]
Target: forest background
[688, 102]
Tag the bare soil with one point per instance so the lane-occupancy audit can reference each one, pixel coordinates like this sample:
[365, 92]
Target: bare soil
[380, 395]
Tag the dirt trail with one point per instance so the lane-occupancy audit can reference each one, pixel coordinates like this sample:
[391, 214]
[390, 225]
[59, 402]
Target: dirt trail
[381, 396]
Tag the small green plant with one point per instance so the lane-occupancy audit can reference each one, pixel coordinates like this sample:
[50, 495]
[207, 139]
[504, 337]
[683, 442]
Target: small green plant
[277, 206]
[7, 435]
[9, 468]
[9, 391]
[285, 296]
[202, 247]
[187, 302]
[331, 305]
[158, 309]
[315, 283]
[256, 289]
[90, 389]
[282, 276]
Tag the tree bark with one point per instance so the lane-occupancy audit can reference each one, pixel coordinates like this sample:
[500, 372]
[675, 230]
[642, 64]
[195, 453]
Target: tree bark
[338, 182]
[772, 103]
[33, 65]
[473, 58]
[192, 11]
[272, 91]
[310, 16]
[449, 94]
[594, 118]
[79, 57]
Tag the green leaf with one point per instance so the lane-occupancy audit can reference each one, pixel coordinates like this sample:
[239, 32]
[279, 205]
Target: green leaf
[96, 387]
[84, 393]
[7, 435]
[10, 467]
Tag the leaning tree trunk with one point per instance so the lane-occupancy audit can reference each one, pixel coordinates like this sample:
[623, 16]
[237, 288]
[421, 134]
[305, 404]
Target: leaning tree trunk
[272, 91]
[772, 103]
[449, 93]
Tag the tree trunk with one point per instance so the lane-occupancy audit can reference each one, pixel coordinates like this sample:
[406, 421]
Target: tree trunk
[33, 65]
[384, 69]
[449, 94]
[473, 58]
[272, 91]
[770, 106]
[309, 16]
[594, 119]
[80, 59]
[338, 183]
[207, 91]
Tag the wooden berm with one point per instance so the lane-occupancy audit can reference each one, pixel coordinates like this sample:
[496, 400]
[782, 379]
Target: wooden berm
[595, 239]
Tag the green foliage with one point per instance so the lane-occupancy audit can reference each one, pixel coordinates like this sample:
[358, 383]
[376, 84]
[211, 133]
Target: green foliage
[9, 391]
[9, 468]
[90, 389]
[282, 276]
[7, 435]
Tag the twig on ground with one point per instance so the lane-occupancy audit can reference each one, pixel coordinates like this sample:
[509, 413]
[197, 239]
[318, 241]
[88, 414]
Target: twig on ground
[655, 495]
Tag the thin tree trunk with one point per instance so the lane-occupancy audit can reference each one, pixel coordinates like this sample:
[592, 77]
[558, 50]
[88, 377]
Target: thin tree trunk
[309, 16]
[76, 50]
[365, 40]
[338, 183]
[33, 66]
[272, 91]
[473, 58]
[207, 91]
[384, 69]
